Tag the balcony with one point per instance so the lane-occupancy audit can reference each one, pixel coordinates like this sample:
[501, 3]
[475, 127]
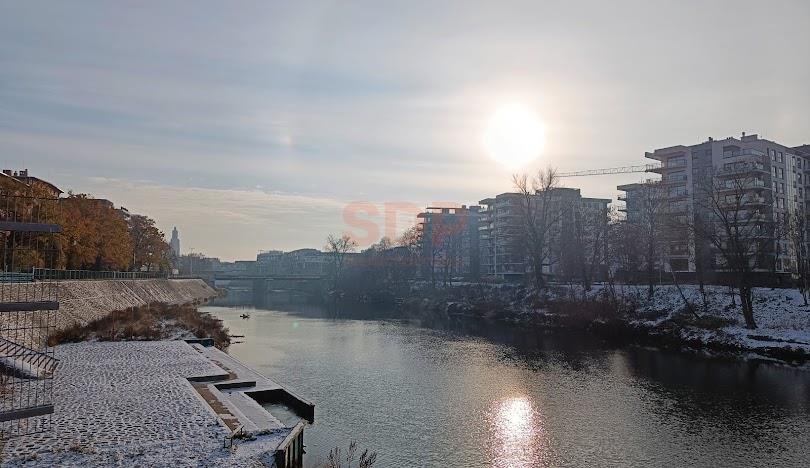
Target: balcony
[674, 180]
[743, 152]
[742, 168]
[752, 185]
[666, 167]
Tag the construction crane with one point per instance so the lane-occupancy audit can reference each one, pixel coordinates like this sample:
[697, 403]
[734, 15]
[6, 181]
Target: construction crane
[612, 170]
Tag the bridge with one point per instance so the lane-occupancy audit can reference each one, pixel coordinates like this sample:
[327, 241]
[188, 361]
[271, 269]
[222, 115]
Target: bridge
[253, 276]
[246, 288]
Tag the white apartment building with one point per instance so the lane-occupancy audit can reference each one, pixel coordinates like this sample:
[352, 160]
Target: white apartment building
[502, 232]
[778, 176]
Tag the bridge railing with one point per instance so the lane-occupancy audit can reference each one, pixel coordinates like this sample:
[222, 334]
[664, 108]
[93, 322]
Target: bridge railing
[42, 274]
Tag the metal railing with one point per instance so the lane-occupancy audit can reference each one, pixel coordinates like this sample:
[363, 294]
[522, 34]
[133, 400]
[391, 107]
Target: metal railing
[42, 274]
[27, 315]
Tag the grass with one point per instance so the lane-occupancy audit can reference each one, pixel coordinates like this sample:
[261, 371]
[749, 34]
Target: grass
[147, 323]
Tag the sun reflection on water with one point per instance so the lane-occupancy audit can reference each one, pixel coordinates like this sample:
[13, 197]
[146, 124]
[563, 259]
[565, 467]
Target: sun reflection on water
[517, 437]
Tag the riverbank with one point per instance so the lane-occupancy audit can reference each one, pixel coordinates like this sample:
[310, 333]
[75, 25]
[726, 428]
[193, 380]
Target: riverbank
[685, 319]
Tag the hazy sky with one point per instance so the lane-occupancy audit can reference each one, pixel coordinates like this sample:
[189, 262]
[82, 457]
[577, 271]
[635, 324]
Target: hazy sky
[253, 125]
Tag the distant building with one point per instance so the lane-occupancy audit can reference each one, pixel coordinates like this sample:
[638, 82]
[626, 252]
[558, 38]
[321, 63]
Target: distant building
[450, 242]
[576, 237]
[301, 262]
[174, 243]
[38, 186]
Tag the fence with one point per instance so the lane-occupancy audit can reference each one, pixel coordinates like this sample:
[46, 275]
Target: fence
[41, 274]
[27, 362]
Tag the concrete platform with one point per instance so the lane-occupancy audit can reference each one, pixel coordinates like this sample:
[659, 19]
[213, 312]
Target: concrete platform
[138, 403]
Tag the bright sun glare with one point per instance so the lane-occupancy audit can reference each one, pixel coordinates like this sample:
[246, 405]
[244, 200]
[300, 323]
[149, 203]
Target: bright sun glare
[514, 136]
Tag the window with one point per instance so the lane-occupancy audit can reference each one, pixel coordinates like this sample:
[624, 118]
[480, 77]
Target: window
[780, 157]
[676, 162]
[781, 187]
[780, 173]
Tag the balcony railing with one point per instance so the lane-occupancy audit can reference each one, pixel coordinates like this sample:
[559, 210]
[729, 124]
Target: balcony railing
[743, 152]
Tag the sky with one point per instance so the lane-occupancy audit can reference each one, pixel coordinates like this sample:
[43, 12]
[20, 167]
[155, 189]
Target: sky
[271, 124]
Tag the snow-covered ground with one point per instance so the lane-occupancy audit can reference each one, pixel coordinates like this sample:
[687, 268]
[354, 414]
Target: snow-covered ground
[129, 404]
[781, 316]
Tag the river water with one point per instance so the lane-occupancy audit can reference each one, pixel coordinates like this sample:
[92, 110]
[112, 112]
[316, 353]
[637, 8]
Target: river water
[484, 395]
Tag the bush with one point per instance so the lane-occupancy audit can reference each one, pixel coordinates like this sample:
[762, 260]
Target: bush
[146, 323]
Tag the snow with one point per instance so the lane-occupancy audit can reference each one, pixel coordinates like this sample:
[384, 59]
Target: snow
[130, 403]
[781, 316]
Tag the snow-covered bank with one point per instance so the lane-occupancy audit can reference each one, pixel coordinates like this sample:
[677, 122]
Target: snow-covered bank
[783, 321]
[625, 313]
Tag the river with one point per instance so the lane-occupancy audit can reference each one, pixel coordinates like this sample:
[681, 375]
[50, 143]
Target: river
[483, 395]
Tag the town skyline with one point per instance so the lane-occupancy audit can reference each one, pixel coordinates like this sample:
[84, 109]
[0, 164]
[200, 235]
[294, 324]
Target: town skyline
[254, 140]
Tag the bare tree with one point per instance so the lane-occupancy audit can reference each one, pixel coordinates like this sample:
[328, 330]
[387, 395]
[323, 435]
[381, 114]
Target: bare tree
[702, 253]
[796, 233]
[625, 247]
[779, 233]
[736, 228]
[595, 232]
[651, 223]
[337, 248]
[539, 216]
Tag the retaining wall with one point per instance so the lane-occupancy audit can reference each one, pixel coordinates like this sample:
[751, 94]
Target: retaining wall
[85, 301]
[88, 300]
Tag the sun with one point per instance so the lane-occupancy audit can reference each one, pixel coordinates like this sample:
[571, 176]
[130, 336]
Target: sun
[514, 136]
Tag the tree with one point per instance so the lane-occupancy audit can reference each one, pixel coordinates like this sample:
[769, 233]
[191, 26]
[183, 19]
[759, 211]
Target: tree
[780, 233]
[651, 221]
[94, 235]
[149, 249]
[736, 227]
[412, 239]
[539, 218]
[625, 247]
[337, 248]
[796, 232]
[583, 240]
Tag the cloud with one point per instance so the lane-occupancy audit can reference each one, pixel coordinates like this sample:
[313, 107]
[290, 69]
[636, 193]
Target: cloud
[201, 102]
[231, 224]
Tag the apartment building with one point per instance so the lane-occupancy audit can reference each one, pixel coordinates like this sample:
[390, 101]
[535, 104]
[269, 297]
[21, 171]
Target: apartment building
[301, 262]
[776, 182]
[450, 241]
[576, 240]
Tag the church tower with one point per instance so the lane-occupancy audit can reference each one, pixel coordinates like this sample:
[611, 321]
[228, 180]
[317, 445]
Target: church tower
[175, 242]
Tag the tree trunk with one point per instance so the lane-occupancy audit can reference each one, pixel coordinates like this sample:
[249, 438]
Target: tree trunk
[746, 302]
[650, 273]
[540, 283]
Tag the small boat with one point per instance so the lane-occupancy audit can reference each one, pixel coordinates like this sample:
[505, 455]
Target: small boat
[245, 316]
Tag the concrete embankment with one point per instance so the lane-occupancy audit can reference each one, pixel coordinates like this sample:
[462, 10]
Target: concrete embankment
[84, 301]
